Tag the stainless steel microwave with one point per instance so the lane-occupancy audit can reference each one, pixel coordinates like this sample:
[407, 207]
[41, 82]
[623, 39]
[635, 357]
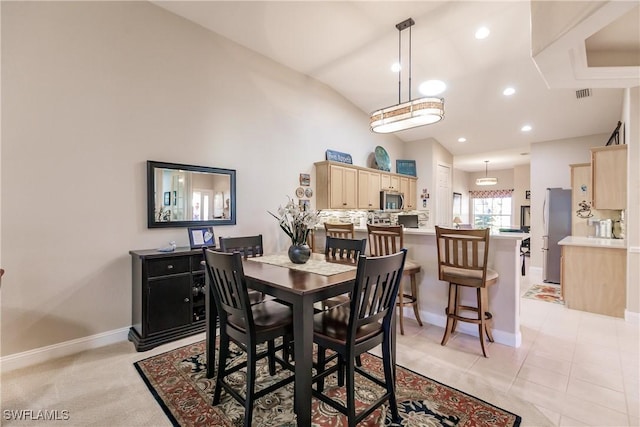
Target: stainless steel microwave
[391, 201]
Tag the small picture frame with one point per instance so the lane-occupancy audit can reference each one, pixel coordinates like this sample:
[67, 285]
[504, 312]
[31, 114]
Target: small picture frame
[305, 205]
[201, 236]
[167, 198]
[305, 179]
[527, 194]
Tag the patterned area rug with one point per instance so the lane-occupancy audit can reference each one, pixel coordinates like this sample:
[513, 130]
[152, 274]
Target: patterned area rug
[177, 379]
[547, 292]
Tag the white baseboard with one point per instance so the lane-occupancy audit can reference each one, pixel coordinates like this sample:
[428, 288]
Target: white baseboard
[501, 337]
[54, 351]
[632, 317]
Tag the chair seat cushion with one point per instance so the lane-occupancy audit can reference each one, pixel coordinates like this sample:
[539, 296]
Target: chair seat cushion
[255, 297]
[467, 277]
[410, 267]
[266, 315]
[333, 324]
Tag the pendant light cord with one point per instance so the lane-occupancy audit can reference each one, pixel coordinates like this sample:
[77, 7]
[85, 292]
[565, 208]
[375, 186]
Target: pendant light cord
[409, 63]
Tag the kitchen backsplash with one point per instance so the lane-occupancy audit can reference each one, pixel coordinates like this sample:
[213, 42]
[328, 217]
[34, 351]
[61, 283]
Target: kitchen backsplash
[360, 217]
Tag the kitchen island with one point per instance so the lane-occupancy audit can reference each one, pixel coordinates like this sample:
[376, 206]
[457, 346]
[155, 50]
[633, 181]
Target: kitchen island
[504, 296]
[594, 274]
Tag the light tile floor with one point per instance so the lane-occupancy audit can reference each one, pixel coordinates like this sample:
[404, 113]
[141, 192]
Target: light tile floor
[573, 369]
[578, 368]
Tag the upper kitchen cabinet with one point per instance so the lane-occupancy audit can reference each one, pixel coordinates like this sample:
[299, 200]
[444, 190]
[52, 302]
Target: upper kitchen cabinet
[337, 186]
[609, 177]
[389, 182]
[368, 189]
[408, 186]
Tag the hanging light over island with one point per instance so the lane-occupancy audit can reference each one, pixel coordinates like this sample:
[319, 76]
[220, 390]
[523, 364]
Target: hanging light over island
[411, 113]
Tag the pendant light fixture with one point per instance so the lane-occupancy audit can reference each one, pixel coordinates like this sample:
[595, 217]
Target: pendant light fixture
[486, 180]
[412, 113]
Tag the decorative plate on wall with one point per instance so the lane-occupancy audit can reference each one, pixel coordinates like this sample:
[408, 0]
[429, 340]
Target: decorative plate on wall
[308, 192]
[299, 192]
[382, 159]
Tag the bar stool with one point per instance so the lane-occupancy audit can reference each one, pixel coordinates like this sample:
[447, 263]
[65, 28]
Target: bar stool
[387, 240]
[462, 261]
[341, 230]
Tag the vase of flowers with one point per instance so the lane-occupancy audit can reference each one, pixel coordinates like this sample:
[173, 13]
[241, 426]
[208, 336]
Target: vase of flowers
[297, 223]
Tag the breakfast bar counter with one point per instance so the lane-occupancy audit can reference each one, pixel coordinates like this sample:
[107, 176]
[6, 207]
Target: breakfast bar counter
[504, 296]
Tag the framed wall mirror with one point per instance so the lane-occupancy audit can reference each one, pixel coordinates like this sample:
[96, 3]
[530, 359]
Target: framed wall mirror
[187, 195]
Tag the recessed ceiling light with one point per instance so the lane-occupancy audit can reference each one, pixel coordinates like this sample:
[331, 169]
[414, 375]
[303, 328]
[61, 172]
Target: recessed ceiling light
[525, 128]
[482, 33]
[508, 91]
[432, 87]
[395, 67]
[462, 139]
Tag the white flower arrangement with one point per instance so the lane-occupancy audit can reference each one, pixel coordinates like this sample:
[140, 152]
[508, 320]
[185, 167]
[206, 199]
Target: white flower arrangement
[294, 221]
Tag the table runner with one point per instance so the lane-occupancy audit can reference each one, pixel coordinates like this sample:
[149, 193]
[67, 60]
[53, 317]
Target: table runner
[312, 266]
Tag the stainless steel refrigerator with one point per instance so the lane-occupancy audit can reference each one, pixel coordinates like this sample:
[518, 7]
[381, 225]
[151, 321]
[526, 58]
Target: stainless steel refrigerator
[557, 225]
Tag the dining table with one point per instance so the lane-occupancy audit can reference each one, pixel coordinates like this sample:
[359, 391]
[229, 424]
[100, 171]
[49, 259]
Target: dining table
[300, 286]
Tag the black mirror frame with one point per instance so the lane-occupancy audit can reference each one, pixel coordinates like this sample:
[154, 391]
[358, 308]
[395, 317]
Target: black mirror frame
[152, 223]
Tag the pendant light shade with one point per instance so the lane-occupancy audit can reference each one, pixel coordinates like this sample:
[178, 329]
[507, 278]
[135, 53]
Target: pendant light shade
[411, 113]
[486, 180]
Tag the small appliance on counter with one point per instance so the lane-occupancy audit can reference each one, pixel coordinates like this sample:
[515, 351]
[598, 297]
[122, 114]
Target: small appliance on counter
[391, 201]
[409, 221]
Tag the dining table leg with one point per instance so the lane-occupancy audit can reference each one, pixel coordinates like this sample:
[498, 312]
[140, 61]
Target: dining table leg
[211, 314]
[303, 348]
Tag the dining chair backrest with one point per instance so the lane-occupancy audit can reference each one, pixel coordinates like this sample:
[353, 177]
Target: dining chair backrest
[336, 247]
[385, 239]
[229, 287]
[463, 255]
[248, 246]
[343, 230]
[374, 295]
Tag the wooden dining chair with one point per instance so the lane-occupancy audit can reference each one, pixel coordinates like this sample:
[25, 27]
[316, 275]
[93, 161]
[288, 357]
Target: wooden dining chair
[462, 261]
[343, 230]
[249, 247]
[341, 250]
[350, 330]
[247, 325]
[389, 239]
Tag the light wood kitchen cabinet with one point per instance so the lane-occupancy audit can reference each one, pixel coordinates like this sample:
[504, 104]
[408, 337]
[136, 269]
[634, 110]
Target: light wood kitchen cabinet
[609, 177]
[344, 186]
[389, 182]
[594, 279]
[368, 189]
[337, 187]
[409, 186]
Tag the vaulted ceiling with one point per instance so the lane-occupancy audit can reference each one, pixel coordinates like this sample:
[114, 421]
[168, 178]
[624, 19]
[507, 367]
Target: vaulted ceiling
[545, 50]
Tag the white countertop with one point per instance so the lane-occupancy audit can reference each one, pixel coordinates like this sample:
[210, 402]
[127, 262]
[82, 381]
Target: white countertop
[594, 242]
[432, 232]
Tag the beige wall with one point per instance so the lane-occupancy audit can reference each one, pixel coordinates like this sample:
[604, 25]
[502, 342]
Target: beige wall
[631, 118]
[428, 155]
[550, 162]
[91, 91]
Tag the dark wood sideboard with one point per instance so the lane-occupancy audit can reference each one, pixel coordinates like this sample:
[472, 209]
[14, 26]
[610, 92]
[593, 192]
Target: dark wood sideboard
[168, 300]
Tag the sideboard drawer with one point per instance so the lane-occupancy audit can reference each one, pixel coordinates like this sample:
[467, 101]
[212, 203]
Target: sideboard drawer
[165, 267]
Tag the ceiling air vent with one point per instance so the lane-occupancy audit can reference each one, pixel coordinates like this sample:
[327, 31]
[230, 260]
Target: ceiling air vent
[583, 93]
